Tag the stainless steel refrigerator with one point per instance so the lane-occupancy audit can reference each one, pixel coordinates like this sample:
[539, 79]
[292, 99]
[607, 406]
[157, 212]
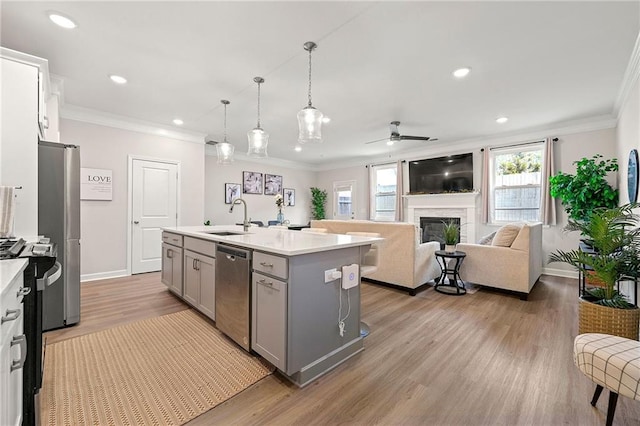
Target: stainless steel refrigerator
[59, 219]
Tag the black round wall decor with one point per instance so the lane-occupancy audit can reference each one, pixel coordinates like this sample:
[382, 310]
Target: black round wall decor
[632, 176]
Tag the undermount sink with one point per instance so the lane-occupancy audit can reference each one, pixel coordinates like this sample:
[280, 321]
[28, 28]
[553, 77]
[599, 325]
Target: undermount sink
[224, 233]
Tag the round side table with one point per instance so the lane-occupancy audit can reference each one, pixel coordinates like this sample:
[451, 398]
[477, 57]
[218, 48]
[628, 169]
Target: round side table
[450, 263]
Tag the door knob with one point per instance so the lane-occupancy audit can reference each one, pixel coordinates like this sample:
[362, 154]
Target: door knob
[135, 222]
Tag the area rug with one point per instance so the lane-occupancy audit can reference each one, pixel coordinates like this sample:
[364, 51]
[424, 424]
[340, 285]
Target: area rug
[160, 371]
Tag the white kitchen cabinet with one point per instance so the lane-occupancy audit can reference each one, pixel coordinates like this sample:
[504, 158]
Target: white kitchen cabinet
[269, 319]
[172, 268]
[13, 347]
[200, 282]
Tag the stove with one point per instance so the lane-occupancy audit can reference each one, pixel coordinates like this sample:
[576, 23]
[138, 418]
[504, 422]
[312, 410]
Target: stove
[42, 270]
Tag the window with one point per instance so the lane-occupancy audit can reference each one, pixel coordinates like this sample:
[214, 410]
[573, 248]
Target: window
[383, 184]
[516, 175]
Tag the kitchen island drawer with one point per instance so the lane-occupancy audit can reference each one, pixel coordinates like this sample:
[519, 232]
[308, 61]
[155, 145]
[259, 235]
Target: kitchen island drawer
[205, 247]
[270, 264]
[173, 239]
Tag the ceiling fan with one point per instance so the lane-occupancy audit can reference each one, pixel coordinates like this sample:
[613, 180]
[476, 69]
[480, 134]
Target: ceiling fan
[396, 136]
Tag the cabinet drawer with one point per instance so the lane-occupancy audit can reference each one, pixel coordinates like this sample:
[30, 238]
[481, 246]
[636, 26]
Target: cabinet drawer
[270, 264]
[200, 246]
[11, 308]
[173, 239]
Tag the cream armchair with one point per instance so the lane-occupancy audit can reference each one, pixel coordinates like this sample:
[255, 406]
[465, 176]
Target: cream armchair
[403, 262]
[515, 268]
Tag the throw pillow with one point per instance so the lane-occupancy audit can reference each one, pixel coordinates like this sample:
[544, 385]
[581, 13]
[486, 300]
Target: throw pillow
[504, 236]
[487, 239]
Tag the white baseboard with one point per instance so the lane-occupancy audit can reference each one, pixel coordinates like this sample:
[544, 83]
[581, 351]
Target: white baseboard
[103, 275]
[560, 273]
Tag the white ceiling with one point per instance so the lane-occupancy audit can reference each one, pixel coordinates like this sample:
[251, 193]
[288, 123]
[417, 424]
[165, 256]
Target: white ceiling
[538, 63]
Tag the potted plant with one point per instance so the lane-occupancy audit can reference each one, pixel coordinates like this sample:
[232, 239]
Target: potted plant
[615, 238]
[318, 200]
[451, 234]
[588, 189]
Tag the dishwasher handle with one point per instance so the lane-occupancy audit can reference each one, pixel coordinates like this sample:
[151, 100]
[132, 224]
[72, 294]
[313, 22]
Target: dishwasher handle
[233, 253]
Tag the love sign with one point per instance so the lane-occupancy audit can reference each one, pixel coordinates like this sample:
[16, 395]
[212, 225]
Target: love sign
[96, 184]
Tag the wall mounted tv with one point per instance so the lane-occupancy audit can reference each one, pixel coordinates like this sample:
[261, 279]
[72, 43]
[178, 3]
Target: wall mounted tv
[453, 173]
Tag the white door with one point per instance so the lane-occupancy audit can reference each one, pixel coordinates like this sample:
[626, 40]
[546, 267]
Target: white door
[154, 205]
[344, 200]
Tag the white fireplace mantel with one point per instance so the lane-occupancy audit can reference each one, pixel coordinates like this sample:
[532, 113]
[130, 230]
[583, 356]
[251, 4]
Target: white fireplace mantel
[463, 205]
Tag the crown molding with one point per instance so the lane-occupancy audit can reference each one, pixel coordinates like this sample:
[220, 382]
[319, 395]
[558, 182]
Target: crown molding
[87, 115]
[452, 147]
[631, 76]
[57, 88]
[210, 150]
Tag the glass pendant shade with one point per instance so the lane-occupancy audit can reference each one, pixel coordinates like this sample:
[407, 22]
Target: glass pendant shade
[258, 141]
[225, 152]
[309, 125]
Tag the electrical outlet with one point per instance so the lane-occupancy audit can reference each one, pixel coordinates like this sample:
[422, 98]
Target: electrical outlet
[328, 275]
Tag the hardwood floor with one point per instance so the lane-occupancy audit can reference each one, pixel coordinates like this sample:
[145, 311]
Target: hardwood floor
[486, 358]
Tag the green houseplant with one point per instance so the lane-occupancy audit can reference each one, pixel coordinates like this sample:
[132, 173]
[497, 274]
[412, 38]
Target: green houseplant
[614, 236]
[318, 201]
[588, 189]
[451, 234]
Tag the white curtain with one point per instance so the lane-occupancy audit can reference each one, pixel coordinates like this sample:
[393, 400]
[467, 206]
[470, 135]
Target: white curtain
[548, 202]
[485, 185]
[399, 192]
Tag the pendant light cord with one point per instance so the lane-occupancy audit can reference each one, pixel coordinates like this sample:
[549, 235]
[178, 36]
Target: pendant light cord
[310, 77]
[225, 123]
[258, 105]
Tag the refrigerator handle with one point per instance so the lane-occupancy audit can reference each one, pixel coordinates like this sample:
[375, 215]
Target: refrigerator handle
[50, 277]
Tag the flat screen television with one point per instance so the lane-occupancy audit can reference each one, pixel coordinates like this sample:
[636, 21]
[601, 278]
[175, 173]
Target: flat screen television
[453, 173]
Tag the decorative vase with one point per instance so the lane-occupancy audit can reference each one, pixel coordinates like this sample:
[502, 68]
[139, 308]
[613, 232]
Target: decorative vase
[280, 217]
[449, 248]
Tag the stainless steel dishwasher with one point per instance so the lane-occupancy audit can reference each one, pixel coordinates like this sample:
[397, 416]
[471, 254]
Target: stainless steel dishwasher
[233, 293]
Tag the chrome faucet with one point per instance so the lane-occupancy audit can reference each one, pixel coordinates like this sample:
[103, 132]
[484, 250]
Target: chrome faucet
[245, 222]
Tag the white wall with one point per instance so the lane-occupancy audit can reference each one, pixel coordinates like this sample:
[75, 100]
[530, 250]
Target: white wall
[259, 207]
[628, 136]
[358, 173]
[104, 223]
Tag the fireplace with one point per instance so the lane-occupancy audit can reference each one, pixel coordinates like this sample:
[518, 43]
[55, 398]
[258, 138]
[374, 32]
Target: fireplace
[432, 228]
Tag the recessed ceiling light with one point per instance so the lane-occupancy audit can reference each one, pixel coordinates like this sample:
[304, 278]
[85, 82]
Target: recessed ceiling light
[501, 120]
[162, 132]
[117, 79]
[62, 20]
[461, 72]
[178, 122]
[298, 148]
[389, 142]
[326, 119]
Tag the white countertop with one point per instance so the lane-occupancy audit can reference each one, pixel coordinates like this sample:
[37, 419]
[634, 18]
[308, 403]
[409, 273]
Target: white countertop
[9, 269]
[274, 240]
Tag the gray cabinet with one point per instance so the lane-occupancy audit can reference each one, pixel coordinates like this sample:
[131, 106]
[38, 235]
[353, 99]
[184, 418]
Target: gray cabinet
[172, 268]
[171, 274]
[199, 279]
[269, 308]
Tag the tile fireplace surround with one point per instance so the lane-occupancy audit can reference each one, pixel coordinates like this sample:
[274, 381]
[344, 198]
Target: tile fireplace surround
[463, 205]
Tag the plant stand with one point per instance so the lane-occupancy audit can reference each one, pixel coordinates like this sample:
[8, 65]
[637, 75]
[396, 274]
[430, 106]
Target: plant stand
[593, 318]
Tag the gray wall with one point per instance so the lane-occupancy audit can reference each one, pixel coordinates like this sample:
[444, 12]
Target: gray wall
[259, 207]
[628, 136]
[104, 223]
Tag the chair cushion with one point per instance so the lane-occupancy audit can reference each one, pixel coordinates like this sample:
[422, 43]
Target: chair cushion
[505, 235]
[487, 239]
[612, 362]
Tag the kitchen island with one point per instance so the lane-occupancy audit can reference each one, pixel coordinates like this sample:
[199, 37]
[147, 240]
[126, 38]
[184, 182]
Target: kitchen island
[301, 318]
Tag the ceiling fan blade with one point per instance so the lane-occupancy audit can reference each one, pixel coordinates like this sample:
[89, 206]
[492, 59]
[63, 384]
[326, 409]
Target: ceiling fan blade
[212, 142]
[379, 140]
[414, 138]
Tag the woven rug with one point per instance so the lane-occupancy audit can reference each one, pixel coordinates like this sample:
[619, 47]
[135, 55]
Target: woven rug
[160, 371]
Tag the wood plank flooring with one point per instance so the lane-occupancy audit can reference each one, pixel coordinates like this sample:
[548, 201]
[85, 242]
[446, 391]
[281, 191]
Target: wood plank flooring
[486, 358]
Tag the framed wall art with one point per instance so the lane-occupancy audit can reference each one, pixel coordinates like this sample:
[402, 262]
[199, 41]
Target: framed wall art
[231, 192]
[272, 184]
[251, 183]
[632, 176]
[289, 197]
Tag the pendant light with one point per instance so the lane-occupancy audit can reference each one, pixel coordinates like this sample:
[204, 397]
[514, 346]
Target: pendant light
[309, 118]
[258, 138]
[224, 148]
